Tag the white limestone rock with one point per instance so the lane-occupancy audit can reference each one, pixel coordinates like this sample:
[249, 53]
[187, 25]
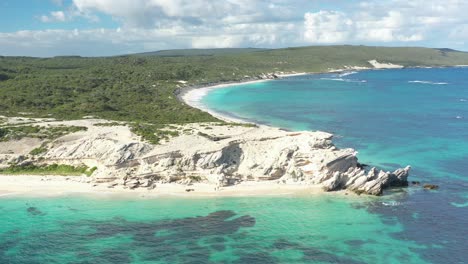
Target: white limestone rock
[222, 155]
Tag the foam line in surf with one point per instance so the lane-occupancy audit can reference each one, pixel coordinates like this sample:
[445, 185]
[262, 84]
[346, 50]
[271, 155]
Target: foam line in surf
[429, 82]
[347, 73]
[343, 80]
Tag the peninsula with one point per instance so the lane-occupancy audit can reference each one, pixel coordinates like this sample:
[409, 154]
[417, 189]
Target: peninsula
[118, 124]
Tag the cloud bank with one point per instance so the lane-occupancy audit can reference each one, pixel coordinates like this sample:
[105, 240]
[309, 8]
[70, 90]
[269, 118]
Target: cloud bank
[146, 25]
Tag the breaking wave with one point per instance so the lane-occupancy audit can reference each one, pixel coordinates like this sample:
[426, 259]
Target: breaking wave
[343, 80]
[347, 73]
[428, 82]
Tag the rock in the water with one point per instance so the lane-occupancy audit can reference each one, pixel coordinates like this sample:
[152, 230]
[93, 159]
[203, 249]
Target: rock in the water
[430, 187]
[373, 183]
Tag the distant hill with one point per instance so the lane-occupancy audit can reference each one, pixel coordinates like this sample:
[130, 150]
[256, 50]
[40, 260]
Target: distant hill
[448, 50]
[141, 87]
[198, 52]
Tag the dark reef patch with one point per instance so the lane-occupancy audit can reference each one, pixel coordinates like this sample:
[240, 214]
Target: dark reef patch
[184, 240]
[173, 241]
[34, 211]
[439, 231]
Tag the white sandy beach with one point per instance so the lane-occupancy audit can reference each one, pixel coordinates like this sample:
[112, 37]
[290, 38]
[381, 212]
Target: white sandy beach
[25, 185]
[194, 96]
[250, 161]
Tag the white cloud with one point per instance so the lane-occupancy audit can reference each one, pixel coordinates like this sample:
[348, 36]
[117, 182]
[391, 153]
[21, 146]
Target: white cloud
[394, 21]
[327, 27]
[151, 13]
[225, 41]
[55, 16]
[102, 42]
[146, 25]
[338, 27]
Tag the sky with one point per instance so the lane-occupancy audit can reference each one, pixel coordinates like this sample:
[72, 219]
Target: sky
[45, 28]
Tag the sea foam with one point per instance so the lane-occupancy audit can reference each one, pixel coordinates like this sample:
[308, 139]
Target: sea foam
[343, 80]
[347, 73]
[429, 82]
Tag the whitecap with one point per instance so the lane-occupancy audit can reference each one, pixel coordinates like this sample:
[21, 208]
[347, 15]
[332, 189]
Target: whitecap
[391, 203]
[429, 82]
[333, 79]
[463, 100]
[347, 73]
[343, 80]
[460, 205]
[459, 117]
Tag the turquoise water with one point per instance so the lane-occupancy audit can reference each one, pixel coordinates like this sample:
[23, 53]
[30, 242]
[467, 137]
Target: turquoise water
[318, 229]
[389, 119]
[393, 118]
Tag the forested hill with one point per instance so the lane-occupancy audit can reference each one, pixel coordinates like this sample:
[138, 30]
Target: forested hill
[141, 87]
[198, 52]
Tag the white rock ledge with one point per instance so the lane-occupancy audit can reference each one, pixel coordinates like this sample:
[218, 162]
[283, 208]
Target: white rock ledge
[217, 154]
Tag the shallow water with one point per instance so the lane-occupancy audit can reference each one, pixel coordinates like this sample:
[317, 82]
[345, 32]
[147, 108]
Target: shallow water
[321, 229]
[393, 118]
[389, 119]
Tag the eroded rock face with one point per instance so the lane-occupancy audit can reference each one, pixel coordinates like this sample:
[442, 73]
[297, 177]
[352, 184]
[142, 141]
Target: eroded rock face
[107, 150]
[374, 182]
[263, 154]
[238, 154]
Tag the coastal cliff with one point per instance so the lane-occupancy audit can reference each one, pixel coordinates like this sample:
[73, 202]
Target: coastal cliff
[216, 153]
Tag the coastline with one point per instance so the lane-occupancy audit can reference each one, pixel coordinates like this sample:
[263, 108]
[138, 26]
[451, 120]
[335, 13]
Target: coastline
[101, 146]
[55, 186]
[192, 96]
[61, 185]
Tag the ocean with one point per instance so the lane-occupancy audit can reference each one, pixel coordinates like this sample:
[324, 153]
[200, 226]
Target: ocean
[392, 117]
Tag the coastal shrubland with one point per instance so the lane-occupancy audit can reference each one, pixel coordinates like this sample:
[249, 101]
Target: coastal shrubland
[38, 151]
[153, 133]
[109, 124]
[142, 87]
[52, 169]
[42, 132]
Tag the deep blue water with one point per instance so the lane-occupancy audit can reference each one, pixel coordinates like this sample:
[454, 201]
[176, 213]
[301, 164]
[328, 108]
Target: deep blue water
[390, 119]
[393, 118]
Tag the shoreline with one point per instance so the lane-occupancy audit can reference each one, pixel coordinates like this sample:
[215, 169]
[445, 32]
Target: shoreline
[57, 186]
[62, 185]
[192, 96]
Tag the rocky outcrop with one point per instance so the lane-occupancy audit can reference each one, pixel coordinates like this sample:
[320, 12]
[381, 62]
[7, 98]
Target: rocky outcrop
[104, 149]
[383, 65]
[221, 155]
[430, 187]
[373, 182]
[267, 76]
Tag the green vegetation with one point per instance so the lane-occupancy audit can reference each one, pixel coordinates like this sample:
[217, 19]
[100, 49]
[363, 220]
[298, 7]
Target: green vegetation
[109, 124]
[196, 178]
[237, 124]
[153, 133]
[53, 169]
[142, 87]
[38, 151]
[51, 132]
[198, 52]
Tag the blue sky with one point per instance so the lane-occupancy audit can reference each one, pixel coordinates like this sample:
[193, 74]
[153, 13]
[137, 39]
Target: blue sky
[109, 27]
